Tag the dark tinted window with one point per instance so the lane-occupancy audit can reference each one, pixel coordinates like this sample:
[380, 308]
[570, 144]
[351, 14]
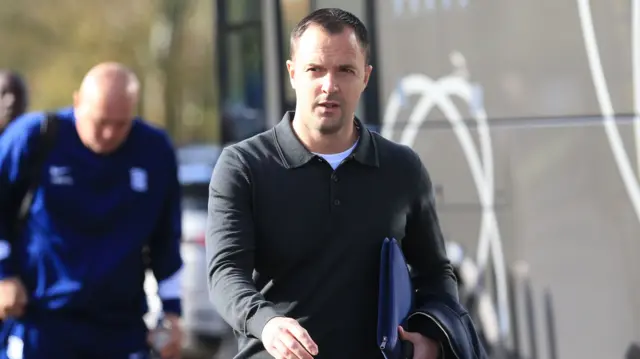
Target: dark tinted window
[242, 98]
[292, 12]
[240, 11]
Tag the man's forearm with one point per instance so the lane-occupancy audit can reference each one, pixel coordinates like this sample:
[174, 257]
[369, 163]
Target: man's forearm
[231, 245]
[440, 282]
[239, 302]
[7, 213]
[432, 273]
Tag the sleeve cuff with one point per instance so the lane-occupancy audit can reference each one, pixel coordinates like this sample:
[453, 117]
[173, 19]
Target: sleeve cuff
[259, 320]
[6, 270]
[6, 266]
[421, 324]
[172, 306]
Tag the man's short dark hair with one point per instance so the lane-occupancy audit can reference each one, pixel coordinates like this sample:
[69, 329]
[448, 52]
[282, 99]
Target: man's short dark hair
[16, 79]
[18, 86]
[15, 84]
[334, 21]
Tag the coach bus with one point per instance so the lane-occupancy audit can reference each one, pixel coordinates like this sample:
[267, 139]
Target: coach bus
[524, 113]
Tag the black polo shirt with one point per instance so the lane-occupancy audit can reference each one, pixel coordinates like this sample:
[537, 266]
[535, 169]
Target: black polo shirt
[288, 235]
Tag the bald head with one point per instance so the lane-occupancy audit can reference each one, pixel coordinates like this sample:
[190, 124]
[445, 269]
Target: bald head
[110, 79]
[13, 97]
[105, 106]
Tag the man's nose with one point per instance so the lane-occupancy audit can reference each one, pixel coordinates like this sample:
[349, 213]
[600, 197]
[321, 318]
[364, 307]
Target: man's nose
[108, 133]
[329, 84]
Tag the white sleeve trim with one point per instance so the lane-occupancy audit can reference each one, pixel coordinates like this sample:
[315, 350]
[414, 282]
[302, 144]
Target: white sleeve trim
[171, 287]
[5, 250]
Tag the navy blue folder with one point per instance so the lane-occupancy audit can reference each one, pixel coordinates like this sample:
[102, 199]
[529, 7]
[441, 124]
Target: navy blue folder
[395, 299]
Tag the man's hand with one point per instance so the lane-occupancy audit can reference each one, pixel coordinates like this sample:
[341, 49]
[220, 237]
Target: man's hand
[172, 349]
[423, 347]
[13, 298]
[284, 338]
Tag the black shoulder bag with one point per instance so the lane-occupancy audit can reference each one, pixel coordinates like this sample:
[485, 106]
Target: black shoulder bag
[35, 164]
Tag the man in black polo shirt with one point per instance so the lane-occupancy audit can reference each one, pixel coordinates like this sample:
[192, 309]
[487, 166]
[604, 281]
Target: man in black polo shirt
[297, 215]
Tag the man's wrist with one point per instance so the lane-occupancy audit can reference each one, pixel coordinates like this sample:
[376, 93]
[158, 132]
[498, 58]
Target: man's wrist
[175, 322]
[255, 325]
[436, 345]
[172, 317]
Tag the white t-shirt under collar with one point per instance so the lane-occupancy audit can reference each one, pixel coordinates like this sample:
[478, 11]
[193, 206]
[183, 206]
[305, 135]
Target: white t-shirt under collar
[335, 159]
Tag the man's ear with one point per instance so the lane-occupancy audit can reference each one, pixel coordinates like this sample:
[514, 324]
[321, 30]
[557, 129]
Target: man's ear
[367, 74]
[292, 72]
[76, 98]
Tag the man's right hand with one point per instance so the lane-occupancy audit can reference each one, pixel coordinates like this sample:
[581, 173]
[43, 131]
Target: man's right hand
[13, 298]
[285, 338]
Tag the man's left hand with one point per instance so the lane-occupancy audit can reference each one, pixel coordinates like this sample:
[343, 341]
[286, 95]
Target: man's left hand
[423, 347]
[173, 348]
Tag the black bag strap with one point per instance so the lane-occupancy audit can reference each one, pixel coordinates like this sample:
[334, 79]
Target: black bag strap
[48, 129]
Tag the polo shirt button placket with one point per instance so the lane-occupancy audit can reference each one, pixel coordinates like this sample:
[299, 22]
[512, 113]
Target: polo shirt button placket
[334, 179]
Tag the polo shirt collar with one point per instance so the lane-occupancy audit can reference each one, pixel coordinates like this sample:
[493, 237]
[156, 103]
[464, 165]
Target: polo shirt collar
[295, 154]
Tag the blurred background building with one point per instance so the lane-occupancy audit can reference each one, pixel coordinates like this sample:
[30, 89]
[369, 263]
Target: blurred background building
[525, 113]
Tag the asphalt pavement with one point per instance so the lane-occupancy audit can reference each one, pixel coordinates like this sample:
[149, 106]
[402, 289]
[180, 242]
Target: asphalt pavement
[226, 350]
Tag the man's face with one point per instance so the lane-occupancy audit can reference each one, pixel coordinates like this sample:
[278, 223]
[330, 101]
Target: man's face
[328, 73]
[12, 100]
[103, 121]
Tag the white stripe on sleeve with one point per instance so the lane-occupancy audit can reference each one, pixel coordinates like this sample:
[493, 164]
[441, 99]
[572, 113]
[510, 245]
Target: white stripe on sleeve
[5, 250]
[171, 287]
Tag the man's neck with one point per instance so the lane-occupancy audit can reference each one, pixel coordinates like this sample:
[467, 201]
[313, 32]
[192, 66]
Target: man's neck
[317, 142]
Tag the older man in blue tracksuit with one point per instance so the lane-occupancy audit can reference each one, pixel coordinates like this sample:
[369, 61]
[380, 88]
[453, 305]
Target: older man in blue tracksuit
[71, 276]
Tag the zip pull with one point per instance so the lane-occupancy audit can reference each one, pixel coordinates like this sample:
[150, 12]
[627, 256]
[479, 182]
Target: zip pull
[384, 343]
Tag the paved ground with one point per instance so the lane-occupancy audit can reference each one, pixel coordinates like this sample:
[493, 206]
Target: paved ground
[226, 350]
